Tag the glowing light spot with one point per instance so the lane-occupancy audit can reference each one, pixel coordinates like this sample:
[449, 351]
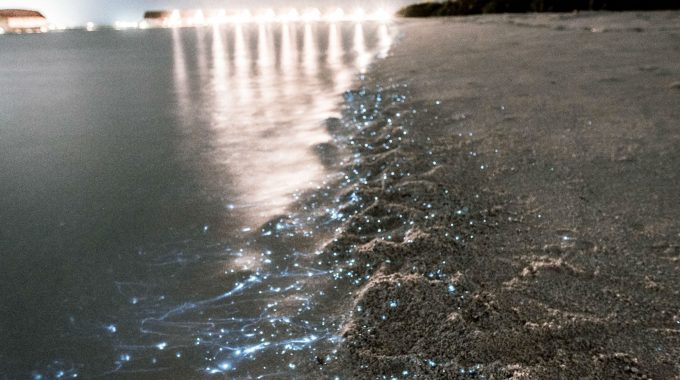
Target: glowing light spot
[224, 366]
[292, 16]
[336, 16]
[243, 17]
[161, 346]
[311, 15]
[381, 15]
[266, 16]
[199, 18]
[123, 25]
[359, 15]
[175, 19]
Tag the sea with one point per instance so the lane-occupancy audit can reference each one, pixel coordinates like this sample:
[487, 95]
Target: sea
[165, 194]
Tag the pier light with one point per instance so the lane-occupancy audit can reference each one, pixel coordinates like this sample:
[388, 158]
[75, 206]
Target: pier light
[122, 25]
[218, 17]
[291, 16]
[336, 15]
[359, 15]
[311, 15]
[266, 16]
[247, 15]
[243, 17]
[175, 19]
[199, 18]
[381, 15]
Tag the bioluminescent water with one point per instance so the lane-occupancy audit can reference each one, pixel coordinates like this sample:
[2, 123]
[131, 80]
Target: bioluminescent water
[164, 195]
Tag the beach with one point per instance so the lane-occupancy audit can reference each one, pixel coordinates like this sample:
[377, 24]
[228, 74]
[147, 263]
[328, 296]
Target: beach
[485, 197]
[518, 177]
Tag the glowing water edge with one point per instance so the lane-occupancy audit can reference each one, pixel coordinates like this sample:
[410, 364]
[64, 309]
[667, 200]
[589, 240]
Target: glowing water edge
[165, 196]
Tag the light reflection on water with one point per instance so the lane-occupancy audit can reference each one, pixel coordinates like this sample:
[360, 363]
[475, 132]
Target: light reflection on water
[254, 96]
[251, 101]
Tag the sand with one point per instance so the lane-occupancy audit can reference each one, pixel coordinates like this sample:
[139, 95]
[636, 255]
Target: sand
[520, 201]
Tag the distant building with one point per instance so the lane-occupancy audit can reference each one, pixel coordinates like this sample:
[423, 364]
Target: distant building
[22, 21]
[183, 17]
[157, 19]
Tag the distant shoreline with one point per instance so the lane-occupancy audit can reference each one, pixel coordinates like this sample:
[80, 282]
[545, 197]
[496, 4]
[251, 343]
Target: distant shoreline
[475, 7]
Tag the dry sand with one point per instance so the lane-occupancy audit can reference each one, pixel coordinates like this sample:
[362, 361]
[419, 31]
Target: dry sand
[532, 206]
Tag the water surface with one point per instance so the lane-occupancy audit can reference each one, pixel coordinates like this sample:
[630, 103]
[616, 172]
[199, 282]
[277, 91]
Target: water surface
[161, 198]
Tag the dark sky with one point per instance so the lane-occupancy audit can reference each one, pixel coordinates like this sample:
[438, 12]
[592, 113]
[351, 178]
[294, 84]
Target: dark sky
[78, 12]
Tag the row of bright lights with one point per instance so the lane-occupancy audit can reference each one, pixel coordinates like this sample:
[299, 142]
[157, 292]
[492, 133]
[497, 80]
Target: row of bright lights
[199, 18]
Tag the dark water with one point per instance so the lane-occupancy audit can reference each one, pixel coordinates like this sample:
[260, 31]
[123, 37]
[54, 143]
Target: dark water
[161, 199]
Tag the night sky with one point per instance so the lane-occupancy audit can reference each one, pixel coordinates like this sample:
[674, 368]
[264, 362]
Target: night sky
[78, 12]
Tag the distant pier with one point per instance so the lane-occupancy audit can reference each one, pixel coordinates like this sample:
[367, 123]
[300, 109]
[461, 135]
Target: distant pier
[199, 17]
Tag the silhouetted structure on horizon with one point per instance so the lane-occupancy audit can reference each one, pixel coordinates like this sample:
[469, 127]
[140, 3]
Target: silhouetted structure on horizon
[22, 21]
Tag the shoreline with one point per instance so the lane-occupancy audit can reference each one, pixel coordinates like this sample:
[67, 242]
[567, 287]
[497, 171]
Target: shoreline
[477, 7]
[526, 225]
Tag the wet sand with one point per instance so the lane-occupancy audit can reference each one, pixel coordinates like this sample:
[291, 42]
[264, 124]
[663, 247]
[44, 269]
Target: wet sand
[521, 186]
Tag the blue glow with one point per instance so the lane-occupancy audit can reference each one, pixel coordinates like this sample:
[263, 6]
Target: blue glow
[224, 366]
